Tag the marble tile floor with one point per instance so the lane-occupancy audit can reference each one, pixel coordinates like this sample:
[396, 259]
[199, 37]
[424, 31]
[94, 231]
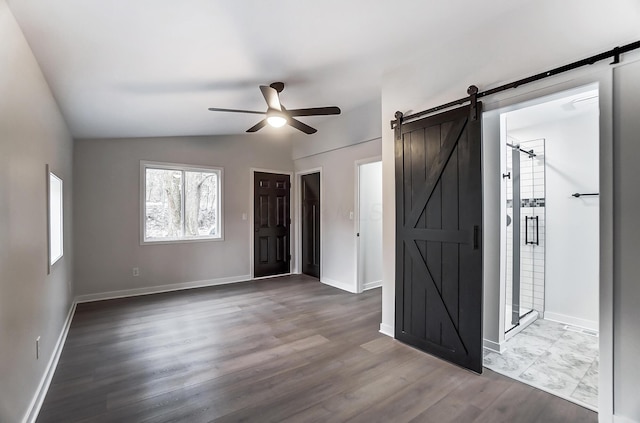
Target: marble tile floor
[560, 361]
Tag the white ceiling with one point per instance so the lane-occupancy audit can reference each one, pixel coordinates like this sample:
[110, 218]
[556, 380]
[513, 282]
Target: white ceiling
[136, 68]
[558, 108]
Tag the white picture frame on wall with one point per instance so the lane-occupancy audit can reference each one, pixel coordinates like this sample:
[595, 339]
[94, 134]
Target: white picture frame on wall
[55, 218]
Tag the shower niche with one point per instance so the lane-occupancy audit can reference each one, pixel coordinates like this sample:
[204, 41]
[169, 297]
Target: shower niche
[525, 228]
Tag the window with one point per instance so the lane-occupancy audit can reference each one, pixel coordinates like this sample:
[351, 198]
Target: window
[56, 235]
[180, 203]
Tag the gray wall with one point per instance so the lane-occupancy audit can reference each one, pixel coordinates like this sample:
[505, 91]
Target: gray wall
[626, 234]
[338, 248]
[107, 211]
[32, 303]
[340, 142]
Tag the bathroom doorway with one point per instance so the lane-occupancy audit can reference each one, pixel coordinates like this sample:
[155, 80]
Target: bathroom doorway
[550, 245]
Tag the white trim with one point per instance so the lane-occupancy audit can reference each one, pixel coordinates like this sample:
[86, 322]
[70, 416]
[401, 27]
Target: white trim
[360, 285]
[622, 419]
[272, 276]
[337, 148]
[387, 330]
[219, 171]
[160, 288]
[494, 346]
[36, 403]
[298, 218]
[251, 221]
[337, 284]
[570, 320]
[601, 74]
[372, 285]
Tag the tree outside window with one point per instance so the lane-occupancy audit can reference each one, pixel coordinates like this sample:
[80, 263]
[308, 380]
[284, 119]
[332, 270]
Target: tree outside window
[181, 202]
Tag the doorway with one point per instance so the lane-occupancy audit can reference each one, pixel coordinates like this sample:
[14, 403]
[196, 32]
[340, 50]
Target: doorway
[550, 245]
[369, 223]
[310, 223]
[271, 224]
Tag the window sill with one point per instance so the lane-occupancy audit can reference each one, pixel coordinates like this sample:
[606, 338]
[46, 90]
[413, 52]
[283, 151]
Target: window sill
[179, 241]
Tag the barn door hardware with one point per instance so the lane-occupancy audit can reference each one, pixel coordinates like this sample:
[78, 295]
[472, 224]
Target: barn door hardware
[474, 95]
[474, 114]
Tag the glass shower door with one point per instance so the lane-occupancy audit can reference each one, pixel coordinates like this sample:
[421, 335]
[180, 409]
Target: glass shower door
[521, 233]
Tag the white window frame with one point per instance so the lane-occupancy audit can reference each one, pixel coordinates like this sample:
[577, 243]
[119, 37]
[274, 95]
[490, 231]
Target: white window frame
[144, 165]
[55, 218]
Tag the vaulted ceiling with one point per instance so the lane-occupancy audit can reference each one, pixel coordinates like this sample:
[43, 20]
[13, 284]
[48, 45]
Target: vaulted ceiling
[124, 68]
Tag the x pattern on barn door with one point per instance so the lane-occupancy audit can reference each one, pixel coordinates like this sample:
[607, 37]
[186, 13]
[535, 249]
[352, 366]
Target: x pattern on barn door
[438, 254]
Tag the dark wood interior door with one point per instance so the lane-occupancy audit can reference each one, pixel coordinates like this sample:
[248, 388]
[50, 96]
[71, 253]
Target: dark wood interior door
[272, 224]
[438, 227]
[310, 196]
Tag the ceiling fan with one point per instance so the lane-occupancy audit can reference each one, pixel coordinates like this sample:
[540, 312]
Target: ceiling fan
[277, 115]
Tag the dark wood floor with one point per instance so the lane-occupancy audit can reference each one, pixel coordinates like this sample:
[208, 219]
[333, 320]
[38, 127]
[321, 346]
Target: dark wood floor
[286, 349]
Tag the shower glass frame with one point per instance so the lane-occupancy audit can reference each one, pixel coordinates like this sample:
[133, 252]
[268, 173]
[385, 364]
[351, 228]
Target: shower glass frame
[517, 305]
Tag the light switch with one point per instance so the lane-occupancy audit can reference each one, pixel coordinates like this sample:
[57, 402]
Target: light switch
[350, 215]
[244, 216]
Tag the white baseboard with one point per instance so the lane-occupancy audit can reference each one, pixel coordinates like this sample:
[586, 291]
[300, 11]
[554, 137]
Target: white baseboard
[622, 419]
[573, 321]
[387, 330]
[36, 403]
[160, 288]
[339, 285]
[269, 277]
[372, 285]
[493, 346]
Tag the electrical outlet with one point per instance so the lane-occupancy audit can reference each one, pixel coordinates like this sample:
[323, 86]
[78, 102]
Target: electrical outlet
[38, 348]
[136, 271]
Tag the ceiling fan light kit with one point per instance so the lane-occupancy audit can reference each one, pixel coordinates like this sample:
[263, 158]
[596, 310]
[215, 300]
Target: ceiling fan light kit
[277, 115]
[275, 119]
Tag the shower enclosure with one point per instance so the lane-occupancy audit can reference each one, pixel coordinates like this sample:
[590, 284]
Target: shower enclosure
[525, 209]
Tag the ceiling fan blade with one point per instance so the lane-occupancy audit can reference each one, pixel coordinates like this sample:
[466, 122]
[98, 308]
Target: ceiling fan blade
[215, 109]
[301, 126]
[271, 96]
[258, 126]
[315, 111]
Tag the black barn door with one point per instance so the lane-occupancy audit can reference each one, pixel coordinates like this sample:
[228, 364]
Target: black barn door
[438, 246]
[271, 224]
[310, 199]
